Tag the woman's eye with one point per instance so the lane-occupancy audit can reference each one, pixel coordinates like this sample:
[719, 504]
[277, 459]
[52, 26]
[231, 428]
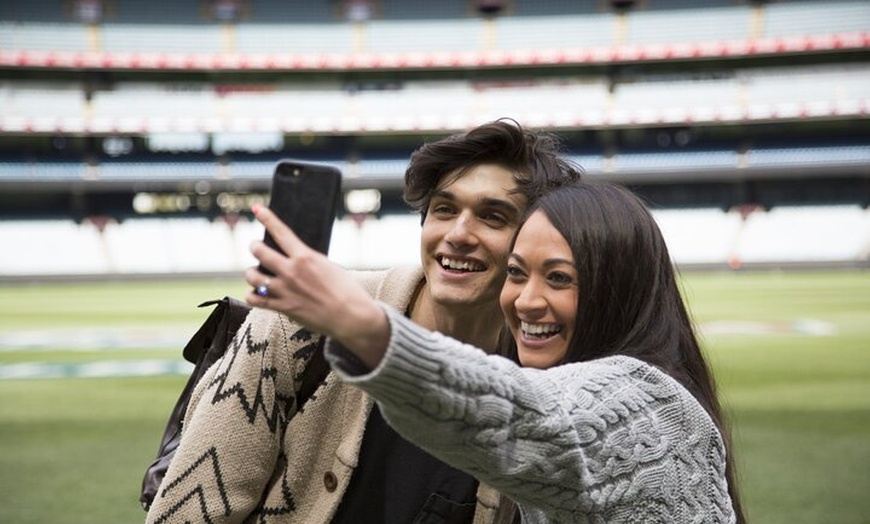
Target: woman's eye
[514, 272]
[561, 278]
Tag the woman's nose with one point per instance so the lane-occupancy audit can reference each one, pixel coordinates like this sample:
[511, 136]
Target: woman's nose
[530, 298]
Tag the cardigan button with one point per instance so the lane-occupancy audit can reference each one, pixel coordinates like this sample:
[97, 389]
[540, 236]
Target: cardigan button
[330, 481]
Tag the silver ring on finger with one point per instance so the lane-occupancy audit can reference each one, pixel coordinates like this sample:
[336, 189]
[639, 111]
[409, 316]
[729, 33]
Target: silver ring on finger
[263, 289]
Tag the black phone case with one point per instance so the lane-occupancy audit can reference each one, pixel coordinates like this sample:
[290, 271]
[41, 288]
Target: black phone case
[305, 196]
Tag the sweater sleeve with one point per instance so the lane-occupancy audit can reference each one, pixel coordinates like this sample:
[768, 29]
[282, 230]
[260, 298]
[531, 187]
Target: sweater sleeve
[594, 439]
[234, 424]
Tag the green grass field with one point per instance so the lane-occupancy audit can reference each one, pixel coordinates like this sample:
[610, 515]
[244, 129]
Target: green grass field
[791, 352]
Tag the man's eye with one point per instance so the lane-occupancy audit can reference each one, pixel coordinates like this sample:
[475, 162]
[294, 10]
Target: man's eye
[442, 209]
[497, 218]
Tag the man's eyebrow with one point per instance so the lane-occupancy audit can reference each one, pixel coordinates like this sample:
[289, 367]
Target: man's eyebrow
[507, 205]
[443, 193]
[502, 203]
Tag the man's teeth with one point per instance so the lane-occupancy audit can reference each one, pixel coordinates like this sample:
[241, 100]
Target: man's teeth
[540, 330]
[460, 265]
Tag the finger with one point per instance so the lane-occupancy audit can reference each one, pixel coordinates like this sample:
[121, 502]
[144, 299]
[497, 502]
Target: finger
[254, 277]
[268, 257]
[255, 300]
[261, 284]
[283, 235]
[262, 288]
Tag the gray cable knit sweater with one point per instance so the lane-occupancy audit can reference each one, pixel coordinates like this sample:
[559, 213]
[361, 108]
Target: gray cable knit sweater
[609, 441]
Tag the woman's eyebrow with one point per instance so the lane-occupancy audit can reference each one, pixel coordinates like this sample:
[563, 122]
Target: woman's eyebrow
[550, 262]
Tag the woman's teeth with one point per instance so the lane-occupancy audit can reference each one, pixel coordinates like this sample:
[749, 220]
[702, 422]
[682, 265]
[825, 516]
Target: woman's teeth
[539, 330]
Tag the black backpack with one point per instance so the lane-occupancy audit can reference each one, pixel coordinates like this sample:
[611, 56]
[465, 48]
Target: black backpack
[207, 345]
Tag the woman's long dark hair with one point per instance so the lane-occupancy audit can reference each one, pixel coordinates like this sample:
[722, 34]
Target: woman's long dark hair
[628, 301]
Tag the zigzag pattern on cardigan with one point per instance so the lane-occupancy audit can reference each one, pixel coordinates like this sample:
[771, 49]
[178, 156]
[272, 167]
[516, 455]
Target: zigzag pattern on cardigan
[256, 402]
[205, 473]
[196, 485]
[288, 503]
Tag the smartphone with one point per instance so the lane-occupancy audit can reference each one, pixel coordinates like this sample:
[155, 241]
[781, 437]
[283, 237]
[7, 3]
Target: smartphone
[305, 195]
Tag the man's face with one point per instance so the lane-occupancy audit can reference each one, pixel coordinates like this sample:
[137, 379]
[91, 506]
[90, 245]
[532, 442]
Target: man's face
[466, 235]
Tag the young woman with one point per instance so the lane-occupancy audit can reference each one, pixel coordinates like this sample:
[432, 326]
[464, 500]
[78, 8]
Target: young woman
[609, 414]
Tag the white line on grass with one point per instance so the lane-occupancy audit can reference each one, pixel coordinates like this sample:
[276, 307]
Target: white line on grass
[97, 369]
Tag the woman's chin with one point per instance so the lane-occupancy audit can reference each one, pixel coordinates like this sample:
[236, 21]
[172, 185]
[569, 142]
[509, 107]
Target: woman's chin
[540, 353]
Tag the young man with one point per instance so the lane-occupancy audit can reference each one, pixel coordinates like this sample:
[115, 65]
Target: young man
[248, 455]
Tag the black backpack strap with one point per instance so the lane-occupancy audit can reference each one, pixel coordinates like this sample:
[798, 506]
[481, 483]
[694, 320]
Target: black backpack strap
[205, 347]
[315, 373]
[210, 341]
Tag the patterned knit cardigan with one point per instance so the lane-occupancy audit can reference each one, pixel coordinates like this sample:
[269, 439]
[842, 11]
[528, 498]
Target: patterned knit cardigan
[246, 455]
[609, 441]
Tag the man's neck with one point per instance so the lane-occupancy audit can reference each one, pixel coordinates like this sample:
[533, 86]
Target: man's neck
[476, 325]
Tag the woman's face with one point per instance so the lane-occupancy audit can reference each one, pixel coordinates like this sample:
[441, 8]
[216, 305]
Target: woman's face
[539, 297]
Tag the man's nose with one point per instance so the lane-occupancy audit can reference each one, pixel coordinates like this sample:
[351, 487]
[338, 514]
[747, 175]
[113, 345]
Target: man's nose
[462, 231]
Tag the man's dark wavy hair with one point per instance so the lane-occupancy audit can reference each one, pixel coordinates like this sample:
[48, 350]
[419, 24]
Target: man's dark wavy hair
[536, 158]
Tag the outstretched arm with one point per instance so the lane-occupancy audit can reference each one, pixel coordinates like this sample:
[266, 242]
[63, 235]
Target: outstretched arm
[596, 441]
[316, 292]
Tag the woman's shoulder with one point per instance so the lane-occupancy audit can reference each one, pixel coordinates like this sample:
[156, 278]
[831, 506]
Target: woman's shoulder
[624, 368]
[636, 387]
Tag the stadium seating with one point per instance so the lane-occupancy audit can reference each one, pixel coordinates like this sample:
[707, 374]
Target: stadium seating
[696, 238]
[798, 92]
[389, 171]
[805, 234]
[622, 83]
[50, 247]
[795, 18]
[710, 27]
[700, 236]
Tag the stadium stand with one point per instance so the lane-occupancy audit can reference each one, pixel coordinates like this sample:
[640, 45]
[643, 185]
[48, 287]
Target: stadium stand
[697, 238]
[138, 246]
[740, 122]
[700, 236]
[805, 234]
[799, 92]
[49, 247]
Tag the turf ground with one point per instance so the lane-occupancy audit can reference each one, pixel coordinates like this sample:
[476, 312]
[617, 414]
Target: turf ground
[791, 352]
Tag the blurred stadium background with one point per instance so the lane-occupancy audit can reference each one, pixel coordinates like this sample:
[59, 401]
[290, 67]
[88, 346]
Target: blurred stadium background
[135, 135]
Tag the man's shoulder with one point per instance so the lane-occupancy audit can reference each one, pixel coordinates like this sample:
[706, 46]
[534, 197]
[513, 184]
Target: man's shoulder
[394, 285]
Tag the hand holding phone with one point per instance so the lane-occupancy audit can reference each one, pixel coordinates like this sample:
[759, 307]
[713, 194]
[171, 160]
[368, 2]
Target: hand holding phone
[305, 196]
